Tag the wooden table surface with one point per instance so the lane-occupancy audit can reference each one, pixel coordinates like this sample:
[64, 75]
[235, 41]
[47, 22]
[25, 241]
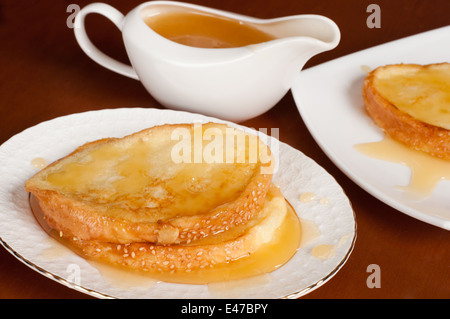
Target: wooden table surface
[44, 74]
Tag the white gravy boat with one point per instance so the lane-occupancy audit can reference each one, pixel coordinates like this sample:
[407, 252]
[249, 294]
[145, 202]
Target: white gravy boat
[233, 84]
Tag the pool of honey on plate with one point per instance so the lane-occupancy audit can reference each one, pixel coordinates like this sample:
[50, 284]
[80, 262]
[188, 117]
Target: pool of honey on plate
[426, 171]
[271, 256]
[205, 30]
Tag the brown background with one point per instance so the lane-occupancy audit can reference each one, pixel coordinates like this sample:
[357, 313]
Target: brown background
[44, 74]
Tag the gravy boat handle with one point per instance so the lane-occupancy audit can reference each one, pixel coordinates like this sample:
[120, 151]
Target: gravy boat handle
[90, 49]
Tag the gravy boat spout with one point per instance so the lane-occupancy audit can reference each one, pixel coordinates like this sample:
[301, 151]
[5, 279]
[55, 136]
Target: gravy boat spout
[297, 39]
[232, 83]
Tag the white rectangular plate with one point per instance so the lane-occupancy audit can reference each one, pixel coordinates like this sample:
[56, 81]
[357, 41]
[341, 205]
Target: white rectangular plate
[329, 100]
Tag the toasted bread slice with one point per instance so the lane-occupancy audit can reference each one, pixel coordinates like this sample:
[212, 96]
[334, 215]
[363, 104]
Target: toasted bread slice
[411, 103]
[143, 187]
[186, 258]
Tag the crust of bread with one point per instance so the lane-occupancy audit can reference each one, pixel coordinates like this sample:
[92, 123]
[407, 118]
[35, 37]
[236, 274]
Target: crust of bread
[185, 258]
[399, 125]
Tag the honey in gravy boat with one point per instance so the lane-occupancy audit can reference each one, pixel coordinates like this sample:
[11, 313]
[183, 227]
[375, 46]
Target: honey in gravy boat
[209, 61]
[203, 30]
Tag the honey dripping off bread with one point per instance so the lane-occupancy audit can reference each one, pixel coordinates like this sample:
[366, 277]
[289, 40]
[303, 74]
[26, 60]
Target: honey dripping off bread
[216, 250]
[130, 189]
[411, 103]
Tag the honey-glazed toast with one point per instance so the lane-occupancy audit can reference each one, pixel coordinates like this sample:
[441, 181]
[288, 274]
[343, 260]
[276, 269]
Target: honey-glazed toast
[411, 103]
[215, 250]
[139, 189]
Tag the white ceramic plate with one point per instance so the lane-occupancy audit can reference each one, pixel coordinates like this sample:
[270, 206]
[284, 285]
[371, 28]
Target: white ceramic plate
[24, 238]
[329, 100]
